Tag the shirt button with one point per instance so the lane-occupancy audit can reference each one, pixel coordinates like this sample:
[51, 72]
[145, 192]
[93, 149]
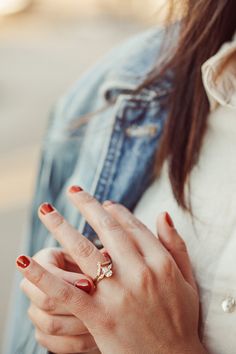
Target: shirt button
[228, 305]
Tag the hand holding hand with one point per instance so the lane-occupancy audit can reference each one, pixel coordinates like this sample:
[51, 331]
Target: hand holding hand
[150, 304]
[55, 327]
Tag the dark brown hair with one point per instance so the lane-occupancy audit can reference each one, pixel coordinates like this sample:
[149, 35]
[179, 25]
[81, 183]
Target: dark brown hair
[206, 25]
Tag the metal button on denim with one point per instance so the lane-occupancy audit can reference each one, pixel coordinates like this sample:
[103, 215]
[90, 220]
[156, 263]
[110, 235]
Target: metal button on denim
[228, 305]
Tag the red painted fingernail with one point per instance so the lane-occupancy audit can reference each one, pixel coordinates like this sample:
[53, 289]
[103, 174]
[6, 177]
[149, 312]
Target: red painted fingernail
[46, 208]
[75, 189]
[169, 220]
[108, 202]
[83, 284]
[106, 255]
[23, 261]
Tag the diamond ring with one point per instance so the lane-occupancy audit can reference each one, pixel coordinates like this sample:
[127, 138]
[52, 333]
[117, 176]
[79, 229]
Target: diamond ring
[104, 269]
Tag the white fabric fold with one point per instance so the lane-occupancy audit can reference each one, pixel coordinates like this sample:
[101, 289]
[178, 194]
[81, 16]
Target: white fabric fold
[219, 76]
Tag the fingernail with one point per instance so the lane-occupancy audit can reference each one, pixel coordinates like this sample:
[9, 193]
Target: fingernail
[83, 284]
[108, 202]
[106, 255]
[46, 208]
[169, 220]
[23, 261]
[75, 189]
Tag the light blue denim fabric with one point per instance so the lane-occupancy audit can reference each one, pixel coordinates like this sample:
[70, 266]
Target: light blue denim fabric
[111, 156]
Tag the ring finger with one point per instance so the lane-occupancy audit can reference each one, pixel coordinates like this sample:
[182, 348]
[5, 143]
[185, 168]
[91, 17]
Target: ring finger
[148, 245]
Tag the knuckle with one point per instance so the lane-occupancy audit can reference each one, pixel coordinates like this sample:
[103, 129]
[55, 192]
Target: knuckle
[38, 277]
[83, 248]
[57, 223]
[48, 304]
[109, 223]
[133, 223]
[82, 346]
[145, 277]
[52, 326]
[87, 199]
[118, 207]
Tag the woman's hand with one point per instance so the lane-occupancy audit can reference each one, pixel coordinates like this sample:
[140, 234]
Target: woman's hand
[56, 328]
[150, 304]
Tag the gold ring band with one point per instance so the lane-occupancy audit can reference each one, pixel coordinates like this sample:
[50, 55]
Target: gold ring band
[104, 270]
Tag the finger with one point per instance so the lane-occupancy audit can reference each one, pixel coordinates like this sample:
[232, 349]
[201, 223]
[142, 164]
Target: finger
[56, 325]
[176, 246]
[63, 345]
[81, 281]
[58, 257]
[145, 240]
[76, 301]
[84, 253]
[110, 232]
[41, 300]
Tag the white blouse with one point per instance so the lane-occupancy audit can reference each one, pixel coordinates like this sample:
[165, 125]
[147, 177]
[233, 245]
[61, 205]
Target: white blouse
[211, 239]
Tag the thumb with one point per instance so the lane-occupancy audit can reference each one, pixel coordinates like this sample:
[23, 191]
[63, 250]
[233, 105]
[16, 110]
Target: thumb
[176, 246]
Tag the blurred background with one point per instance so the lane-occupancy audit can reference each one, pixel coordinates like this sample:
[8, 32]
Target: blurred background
[44, 46]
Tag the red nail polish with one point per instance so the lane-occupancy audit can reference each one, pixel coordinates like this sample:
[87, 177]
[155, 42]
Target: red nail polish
[169, 220]
[106, 255]
[83, 284]
[75, 189]
[46, 208]
[23, 262]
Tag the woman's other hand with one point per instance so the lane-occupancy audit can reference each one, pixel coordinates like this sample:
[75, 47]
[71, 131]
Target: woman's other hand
[55, 327]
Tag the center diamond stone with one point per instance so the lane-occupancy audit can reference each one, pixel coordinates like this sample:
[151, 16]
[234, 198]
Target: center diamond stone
[107, 271]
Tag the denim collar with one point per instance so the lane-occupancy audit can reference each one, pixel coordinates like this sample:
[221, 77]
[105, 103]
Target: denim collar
[128, 74]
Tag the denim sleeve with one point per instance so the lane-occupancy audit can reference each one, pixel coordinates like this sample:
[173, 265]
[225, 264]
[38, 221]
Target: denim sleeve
[54, 170]
[52, 175]
[82, 98]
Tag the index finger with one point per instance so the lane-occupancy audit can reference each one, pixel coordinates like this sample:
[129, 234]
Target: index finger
[84, 253]
[108, 229]
[73, 299]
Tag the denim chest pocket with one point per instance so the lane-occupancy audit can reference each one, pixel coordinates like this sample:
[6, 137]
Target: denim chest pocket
[142, 123]
[142, 118]
[130, 154]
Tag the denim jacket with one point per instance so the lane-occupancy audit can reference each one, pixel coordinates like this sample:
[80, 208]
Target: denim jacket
[111, 154]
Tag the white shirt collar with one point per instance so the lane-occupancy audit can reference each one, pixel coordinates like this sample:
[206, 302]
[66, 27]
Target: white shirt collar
[219, 76]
